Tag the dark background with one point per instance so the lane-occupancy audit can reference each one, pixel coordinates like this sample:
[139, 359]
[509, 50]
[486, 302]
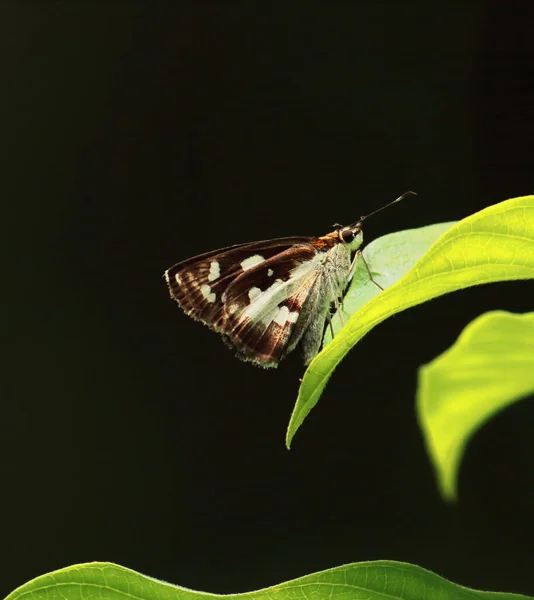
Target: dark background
[138, 134]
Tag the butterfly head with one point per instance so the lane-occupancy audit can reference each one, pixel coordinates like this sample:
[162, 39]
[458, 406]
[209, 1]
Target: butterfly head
[352, 235]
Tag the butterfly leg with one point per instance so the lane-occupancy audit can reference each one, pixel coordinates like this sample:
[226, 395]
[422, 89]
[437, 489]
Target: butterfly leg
[331, 328]
[339, 306]
[359, 254]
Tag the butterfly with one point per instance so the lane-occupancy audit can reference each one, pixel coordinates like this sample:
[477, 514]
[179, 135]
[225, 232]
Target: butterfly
[266, 298]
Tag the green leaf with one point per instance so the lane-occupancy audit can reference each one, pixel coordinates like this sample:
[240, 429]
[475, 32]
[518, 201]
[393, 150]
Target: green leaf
[381, 580]
[490, 366]
[495, 244]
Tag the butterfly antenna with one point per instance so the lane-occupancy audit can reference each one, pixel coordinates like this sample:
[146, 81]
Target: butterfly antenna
[409, 193]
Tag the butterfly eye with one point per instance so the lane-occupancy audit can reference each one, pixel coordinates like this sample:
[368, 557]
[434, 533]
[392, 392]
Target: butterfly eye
[347, 235]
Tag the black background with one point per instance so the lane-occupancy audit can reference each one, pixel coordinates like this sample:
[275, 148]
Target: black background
[138, 134]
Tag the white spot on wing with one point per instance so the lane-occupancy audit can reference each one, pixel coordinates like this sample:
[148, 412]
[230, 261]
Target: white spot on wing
[215, 270]
[205, 290]
[281, 316]
[292, 317]
[253, 293]
[251, 261]
[284, 316]
[270, 273]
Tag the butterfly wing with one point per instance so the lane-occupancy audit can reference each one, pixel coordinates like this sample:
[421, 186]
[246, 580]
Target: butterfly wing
[268, 309]
[199, 284]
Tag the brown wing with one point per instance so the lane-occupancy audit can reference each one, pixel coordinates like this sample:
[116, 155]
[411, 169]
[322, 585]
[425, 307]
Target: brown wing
[199, 284]
[263, 306]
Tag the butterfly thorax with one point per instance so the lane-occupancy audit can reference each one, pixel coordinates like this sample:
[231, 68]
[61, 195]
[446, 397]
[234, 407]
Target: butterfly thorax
[329, 289]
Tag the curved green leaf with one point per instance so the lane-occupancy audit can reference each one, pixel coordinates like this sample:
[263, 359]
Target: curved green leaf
[381, 580]
[495, 244]
[490, 366]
